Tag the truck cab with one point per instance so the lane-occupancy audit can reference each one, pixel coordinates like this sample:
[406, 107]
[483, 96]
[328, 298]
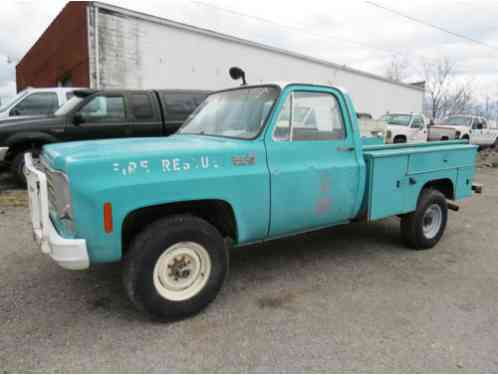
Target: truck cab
[474, 129]
[251, 164]
[405, 127]
[36, 102]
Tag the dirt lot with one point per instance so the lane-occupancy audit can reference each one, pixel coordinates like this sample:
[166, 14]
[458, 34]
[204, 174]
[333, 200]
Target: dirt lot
[349, 298]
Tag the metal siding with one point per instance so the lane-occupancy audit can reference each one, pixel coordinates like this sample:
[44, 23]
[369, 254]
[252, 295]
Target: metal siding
[141, 54]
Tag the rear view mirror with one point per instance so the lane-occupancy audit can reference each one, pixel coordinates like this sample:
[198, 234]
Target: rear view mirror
[78, 119]
[236, 73]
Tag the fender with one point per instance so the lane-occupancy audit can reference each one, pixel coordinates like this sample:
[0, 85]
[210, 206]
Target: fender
[30, 137]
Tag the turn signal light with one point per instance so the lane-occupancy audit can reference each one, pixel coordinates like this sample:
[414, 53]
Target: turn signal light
[108, 217]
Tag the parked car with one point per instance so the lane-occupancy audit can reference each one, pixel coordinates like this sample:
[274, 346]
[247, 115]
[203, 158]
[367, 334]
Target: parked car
[36, 102]
[239, 171]
[93, 114]
[406, 127]
[473, 128]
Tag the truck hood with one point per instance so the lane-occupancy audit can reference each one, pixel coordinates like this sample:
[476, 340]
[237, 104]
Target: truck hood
[134, 150]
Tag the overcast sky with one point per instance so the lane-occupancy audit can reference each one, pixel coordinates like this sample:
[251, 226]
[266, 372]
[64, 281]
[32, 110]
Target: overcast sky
[354, 33]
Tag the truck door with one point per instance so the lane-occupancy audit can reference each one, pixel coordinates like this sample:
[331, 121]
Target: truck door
[484, 133]
[103, 116]
[313, 167]
[145, 114]
[418, 130]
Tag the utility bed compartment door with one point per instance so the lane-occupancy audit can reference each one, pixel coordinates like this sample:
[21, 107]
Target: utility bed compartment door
[387, 186]
[436, 161]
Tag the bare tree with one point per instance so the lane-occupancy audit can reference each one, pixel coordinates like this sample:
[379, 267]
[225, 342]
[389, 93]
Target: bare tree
[445, 94]
[398, 68]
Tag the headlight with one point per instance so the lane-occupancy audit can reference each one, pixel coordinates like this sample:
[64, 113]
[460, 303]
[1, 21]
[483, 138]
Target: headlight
[457, 134]
[59, 197]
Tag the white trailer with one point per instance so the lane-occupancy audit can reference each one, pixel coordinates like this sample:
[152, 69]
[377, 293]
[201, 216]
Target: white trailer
[139, 51]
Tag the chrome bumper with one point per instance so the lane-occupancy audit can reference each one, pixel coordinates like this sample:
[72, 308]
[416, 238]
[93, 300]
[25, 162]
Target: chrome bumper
[68, 253]
[3, 152]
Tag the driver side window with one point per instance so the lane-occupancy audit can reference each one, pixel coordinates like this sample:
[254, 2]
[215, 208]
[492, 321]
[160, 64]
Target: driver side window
[418, 123]
[104, 108]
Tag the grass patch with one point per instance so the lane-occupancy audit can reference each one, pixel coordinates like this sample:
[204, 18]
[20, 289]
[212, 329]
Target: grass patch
[13, 199]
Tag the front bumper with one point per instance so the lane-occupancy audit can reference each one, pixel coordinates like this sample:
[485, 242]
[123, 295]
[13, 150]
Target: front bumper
[68, 253]
[3, 152]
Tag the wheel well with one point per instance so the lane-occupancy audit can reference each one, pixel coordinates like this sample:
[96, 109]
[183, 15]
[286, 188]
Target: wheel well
[465, 136]
[445, 186]
[21, 147]
[216, 212]
[400, 136]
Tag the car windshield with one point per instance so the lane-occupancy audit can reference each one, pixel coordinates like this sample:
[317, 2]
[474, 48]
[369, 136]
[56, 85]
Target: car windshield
[459, 121]
[12, 100]
[68, 106]
[394, 119]
[237, 113]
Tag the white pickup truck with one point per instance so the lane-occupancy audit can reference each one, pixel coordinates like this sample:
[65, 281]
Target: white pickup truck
[35, 102]
[405, 127]
[476, 129]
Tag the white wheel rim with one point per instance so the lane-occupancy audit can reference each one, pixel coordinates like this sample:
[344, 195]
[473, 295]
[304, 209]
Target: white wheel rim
[432, 221]
[182, 271]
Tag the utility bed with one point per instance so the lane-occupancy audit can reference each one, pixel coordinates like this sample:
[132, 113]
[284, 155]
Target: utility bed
[397, 172]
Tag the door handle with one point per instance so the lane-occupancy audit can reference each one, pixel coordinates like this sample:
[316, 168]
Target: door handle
[345, 149]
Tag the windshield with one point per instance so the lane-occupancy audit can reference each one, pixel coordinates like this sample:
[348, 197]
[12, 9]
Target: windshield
[11, 101]
[459, 121]
[402, 120]
[237, 113]
[68, 106]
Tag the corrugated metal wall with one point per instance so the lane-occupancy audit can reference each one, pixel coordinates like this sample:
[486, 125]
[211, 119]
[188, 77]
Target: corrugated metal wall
[60, 54]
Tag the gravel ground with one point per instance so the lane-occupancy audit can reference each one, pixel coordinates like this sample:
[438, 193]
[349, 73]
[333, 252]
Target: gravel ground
[346, 299]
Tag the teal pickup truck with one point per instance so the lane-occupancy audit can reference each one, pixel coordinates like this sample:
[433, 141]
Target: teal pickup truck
[251, 164]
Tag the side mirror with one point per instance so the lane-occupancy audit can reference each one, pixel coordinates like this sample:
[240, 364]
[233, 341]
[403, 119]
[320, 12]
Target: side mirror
[237, 73]
[14, 112]
[431, 123]
[78, 119]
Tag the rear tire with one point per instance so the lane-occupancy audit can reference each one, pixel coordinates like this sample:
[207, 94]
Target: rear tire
[424, 228]
[175, 267]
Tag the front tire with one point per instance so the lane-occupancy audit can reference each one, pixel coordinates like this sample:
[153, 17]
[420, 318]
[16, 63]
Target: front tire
[399, 139]
[424, 228]
[175, 267]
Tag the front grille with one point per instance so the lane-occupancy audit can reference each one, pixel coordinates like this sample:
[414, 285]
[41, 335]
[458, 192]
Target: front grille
[52, 194]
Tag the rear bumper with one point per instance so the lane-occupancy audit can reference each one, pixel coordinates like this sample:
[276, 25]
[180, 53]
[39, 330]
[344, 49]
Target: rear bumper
[68, 253]
[3, 152]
